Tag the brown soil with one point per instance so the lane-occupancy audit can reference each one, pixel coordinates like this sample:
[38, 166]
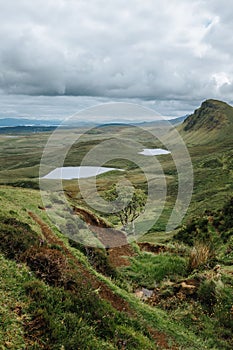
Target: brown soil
[108, 236]
[104, 291]
[119, 250]
[161, 340]
[152, 248]
[89, 218]
[119, 256]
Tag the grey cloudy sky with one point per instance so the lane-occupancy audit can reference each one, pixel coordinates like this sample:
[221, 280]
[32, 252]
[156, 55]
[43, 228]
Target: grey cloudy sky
[59, 56]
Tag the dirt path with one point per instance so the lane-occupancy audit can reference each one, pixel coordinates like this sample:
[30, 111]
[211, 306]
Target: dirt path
[107, 235]
[160, 338]
[105, 292]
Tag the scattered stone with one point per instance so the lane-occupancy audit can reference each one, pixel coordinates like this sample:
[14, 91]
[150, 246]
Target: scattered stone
[143, 294]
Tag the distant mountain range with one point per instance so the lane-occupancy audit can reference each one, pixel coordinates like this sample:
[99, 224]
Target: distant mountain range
[24, 122]
[12, 122]
[212, 116]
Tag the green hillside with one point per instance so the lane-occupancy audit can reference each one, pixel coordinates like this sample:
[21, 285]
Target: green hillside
[208, 135]
[53, 298]
[168, 291]
[211, 122]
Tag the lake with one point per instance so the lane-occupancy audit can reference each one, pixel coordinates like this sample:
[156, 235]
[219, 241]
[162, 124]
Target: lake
[81, 172]
[153, 152]
[77, 172]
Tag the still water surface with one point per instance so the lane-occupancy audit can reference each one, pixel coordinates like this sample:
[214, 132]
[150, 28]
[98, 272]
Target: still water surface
[81, 172]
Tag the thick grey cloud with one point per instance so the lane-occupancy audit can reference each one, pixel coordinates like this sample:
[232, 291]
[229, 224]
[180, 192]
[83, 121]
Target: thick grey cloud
[174, 53]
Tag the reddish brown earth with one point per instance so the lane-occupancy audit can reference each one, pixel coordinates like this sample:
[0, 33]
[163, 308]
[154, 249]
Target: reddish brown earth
[162, 340]
[104, 291]
[152, 248]
[108, 236]
[118, 256]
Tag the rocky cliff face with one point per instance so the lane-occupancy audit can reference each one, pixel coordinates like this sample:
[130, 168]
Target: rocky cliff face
[211, 115]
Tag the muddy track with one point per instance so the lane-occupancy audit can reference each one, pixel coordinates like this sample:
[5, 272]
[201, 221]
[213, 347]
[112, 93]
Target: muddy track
[160, 338]
[107, 235]
[104, 291]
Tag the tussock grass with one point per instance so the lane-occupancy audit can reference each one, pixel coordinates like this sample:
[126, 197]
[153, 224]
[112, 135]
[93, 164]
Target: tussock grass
[199, 256]
[148, 270]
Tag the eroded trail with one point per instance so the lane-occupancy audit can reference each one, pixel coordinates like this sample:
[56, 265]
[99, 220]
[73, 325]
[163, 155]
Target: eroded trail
[118, 257]
[104, 291]
[107, 235]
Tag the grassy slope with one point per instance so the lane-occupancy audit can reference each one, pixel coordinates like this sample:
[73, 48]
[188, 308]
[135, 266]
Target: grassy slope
[210, 147]
[13, 288]
[211, 152]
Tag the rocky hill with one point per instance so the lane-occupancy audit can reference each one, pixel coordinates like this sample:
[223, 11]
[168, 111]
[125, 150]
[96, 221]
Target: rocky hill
[211, 122]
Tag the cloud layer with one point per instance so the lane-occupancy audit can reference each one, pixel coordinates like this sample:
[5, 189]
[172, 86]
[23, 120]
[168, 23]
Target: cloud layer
[176, 50]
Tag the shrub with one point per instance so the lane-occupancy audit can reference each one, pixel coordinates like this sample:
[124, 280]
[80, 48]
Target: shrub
[228, 214]
[147, 269]
[48, 264]
[16, 237]
[224, 307]
[228, 253]
[199, 256]
[99, 260]
[195, 230]
[205, 240]
[207, 295]
[227, 235]
[214, 227]
[79, 321]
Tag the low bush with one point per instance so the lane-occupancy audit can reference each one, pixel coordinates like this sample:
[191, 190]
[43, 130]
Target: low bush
[199, 257]
[207, 295]
[213, 227]
[224, 307]
[48, 264]
[98, 258]
[16, 237]
[148, 269]
[79, 321]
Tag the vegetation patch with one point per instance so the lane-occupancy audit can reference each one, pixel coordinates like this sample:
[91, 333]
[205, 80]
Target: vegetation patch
[16, 237]
[148, 270]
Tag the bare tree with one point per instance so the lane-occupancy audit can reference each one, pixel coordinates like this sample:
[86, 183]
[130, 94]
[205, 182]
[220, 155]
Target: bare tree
[128, 204]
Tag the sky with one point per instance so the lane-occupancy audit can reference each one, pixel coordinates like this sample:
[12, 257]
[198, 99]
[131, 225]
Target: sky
[60, 56]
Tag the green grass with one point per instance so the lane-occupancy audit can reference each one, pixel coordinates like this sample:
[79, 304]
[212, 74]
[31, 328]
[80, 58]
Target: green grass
[148, 270]
[62, 318]
[58, 310]
[21, 157]
[13, 300]
[187, 323]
